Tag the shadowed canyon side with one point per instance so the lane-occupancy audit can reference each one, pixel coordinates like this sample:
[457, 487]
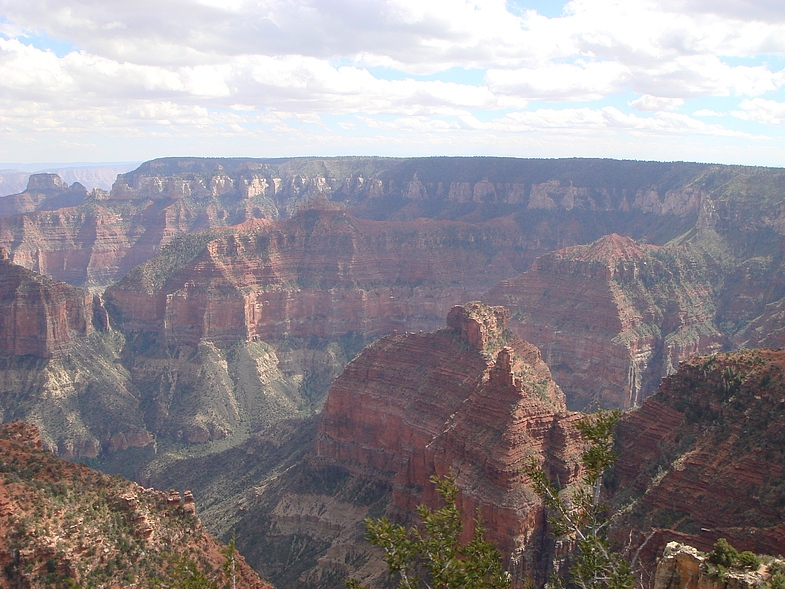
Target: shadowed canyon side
[704, 458]
[65, 525]
[613, 317]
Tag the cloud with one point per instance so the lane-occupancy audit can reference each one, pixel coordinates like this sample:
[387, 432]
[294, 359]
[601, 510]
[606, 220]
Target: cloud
[252, 67]
[649, 103]
[759, 110]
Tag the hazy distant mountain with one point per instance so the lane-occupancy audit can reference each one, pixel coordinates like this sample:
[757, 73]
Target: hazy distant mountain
[13, 177]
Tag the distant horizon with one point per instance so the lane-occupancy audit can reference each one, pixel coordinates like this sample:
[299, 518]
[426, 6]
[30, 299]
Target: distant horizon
[44, 167]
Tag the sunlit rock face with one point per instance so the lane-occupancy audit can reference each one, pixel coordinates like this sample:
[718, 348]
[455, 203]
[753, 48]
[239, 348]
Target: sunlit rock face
[40, 317]
[471, 399]
[322, 273]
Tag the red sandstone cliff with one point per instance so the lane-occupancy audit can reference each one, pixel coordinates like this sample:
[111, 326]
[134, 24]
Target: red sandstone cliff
[704, 458]
[613, 317]
[471, 399]
[41, 317]
[322, 273]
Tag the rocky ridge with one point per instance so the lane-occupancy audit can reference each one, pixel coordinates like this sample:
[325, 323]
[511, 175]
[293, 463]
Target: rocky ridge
[703, 458]
[472, 400]
[62, 523]
[44, 192]
[613, 317]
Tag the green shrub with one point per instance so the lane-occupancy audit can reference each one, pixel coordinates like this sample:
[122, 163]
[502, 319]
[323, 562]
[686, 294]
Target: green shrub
[749, 560]
[777, 581]
[723, 554]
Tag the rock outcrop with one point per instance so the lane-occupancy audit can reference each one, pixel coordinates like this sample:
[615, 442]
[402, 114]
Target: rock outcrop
[63, 524]
[470, 399]
[40, 317]
[704, 457]
[684, 567]
[613, 317]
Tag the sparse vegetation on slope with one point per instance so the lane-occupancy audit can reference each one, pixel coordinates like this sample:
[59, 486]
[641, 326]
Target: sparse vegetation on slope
[64, 525]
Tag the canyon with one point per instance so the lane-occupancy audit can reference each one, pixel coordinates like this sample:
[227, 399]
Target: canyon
[469, 399]
[191, 321]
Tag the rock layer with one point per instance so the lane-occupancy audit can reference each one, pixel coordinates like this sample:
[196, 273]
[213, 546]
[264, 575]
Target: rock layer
[95, 242]
[703, 458]
[613, 317]
[415, 405]
[40, 317]
[323, 273]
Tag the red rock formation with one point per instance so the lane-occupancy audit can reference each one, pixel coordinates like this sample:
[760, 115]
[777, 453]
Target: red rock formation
[704, 458]
[612, 317]
[321, 273]
[470, 399]
[41, 317]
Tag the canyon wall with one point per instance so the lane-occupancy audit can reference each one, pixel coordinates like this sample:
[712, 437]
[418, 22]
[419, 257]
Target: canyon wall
[703, 458]
[40, 317]
[613, 317]
[322, 273]
[96, 238]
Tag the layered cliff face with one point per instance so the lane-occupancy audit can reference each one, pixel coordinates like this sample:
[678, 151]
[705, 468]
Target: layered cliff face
[40, 317]
[472, 400]
[704, 457]
[613, 317]
[63, 524]
[107, 234]
[322, 273]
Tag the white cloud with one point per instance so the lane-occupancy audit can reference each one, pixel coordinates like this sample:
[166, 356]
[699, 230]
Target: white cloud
[257, 66]
[649, 103]
[759, 110]
[607, 118]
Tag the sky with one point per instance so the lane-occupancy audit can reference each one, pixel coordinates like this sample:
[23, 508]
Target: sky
[113, 80]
